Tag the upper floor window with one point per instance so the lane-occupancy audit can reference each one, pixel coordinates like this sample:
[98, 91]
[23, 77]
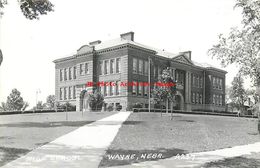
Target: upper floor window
[146, 67]
[70, 73]
[134, 65]
[140, 68]
[214, 82]
[201, 82]
[118, 60]
[154, 71]
[106, 67]
[61, 75]
[65, 74]
[220, 84]
[112, 64]
[86, 68]
[81, 69]
[74, 72]
[100, 67]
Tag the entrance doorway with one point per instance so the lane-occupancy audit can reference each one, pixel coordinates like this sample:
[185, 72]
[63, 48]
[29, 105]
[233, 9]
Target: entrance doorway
[84, 103]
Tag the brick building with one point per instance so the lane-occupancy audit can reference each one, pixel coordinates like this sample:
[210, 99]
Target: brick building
[199, 86]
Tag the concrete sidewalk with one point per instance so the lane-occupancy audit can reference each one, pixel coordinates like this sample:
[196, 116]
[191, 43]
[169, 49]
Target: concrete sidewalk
[198, 159]
[83, 147]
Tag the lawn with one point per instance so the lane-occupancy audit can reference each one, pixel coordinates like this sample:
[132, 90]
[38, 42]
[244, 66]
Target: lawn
[149, 133]
[21, 133]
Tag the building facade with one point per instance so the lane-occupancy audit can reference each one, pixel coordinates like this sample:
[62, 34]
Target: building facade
[199, 86]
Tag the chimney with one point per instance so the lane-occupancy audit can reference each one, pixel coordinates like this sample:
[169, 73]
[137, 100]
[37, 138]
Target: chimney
[128, 36]
[93, 43]
[187, 54]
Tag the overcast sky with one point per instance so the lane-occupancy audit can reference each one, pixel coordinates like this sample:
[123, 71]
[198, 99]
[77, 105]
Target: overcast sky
[29, 47]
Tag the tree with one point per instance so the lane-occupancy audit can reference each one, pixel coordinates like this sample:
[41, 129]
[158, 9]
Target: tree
[51, 100]
[96, 100]
[238, 93]
[15, 101]
[165, 89]
[242, 45]
[32, 9]
[3, 107]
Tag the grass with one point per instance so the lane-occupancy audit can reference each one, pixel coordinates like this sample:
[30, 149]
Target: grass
[145, 132]
[22, 133]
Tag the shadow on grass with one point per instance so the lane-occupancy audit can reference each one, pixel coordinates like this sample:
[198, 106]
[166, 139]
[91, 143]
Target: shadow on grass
[241, 162]
[132, 122]
[127, 157]
[47, 124]
[186, 120]
[10, 154]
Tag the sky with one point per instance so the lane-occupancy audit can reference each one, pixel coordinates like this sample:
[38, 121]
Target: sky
[29, 47]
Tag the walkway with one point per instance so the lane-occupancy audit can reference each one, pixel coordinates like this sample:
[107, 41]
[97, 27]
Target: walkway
[83, 147]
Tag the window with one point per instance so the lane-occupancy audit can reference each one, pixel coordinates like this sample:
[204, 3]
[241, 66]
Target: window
[70, 73]
[74, 72]
[198, 81]
[65, 93]
[100, 67]
[154, 71]
[146, 90]
[118, 65]
[117, 87]
[214, 82]
[106, 67]
[159, 71]
[220, 84]
[60, 93]
[194, 80]
[69, 92]
[200, 99]
[60, 74]
[134, 65]
[220, 98]
[193, 97]
[217, 100]
[86, 68]
[81, 69]
[197, 98]
[140, 90]
[106, 90]
[201, 82]
[111, 88]
[74, 92]
[65, 74]
[146, 67]
[213, 101]
[134, 88]
[140, 68]
[112, 64]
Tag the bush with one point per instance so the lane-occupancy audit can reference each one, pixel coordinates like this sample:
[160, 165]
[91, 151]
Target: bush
[67, 106]
[138, 105]
[110, 107]
[119, 107]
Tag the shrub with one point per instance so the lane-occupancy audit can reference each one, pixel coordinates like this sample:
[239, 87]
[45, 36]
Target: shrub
[110, 107]
[119, 107]
[138, 105]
